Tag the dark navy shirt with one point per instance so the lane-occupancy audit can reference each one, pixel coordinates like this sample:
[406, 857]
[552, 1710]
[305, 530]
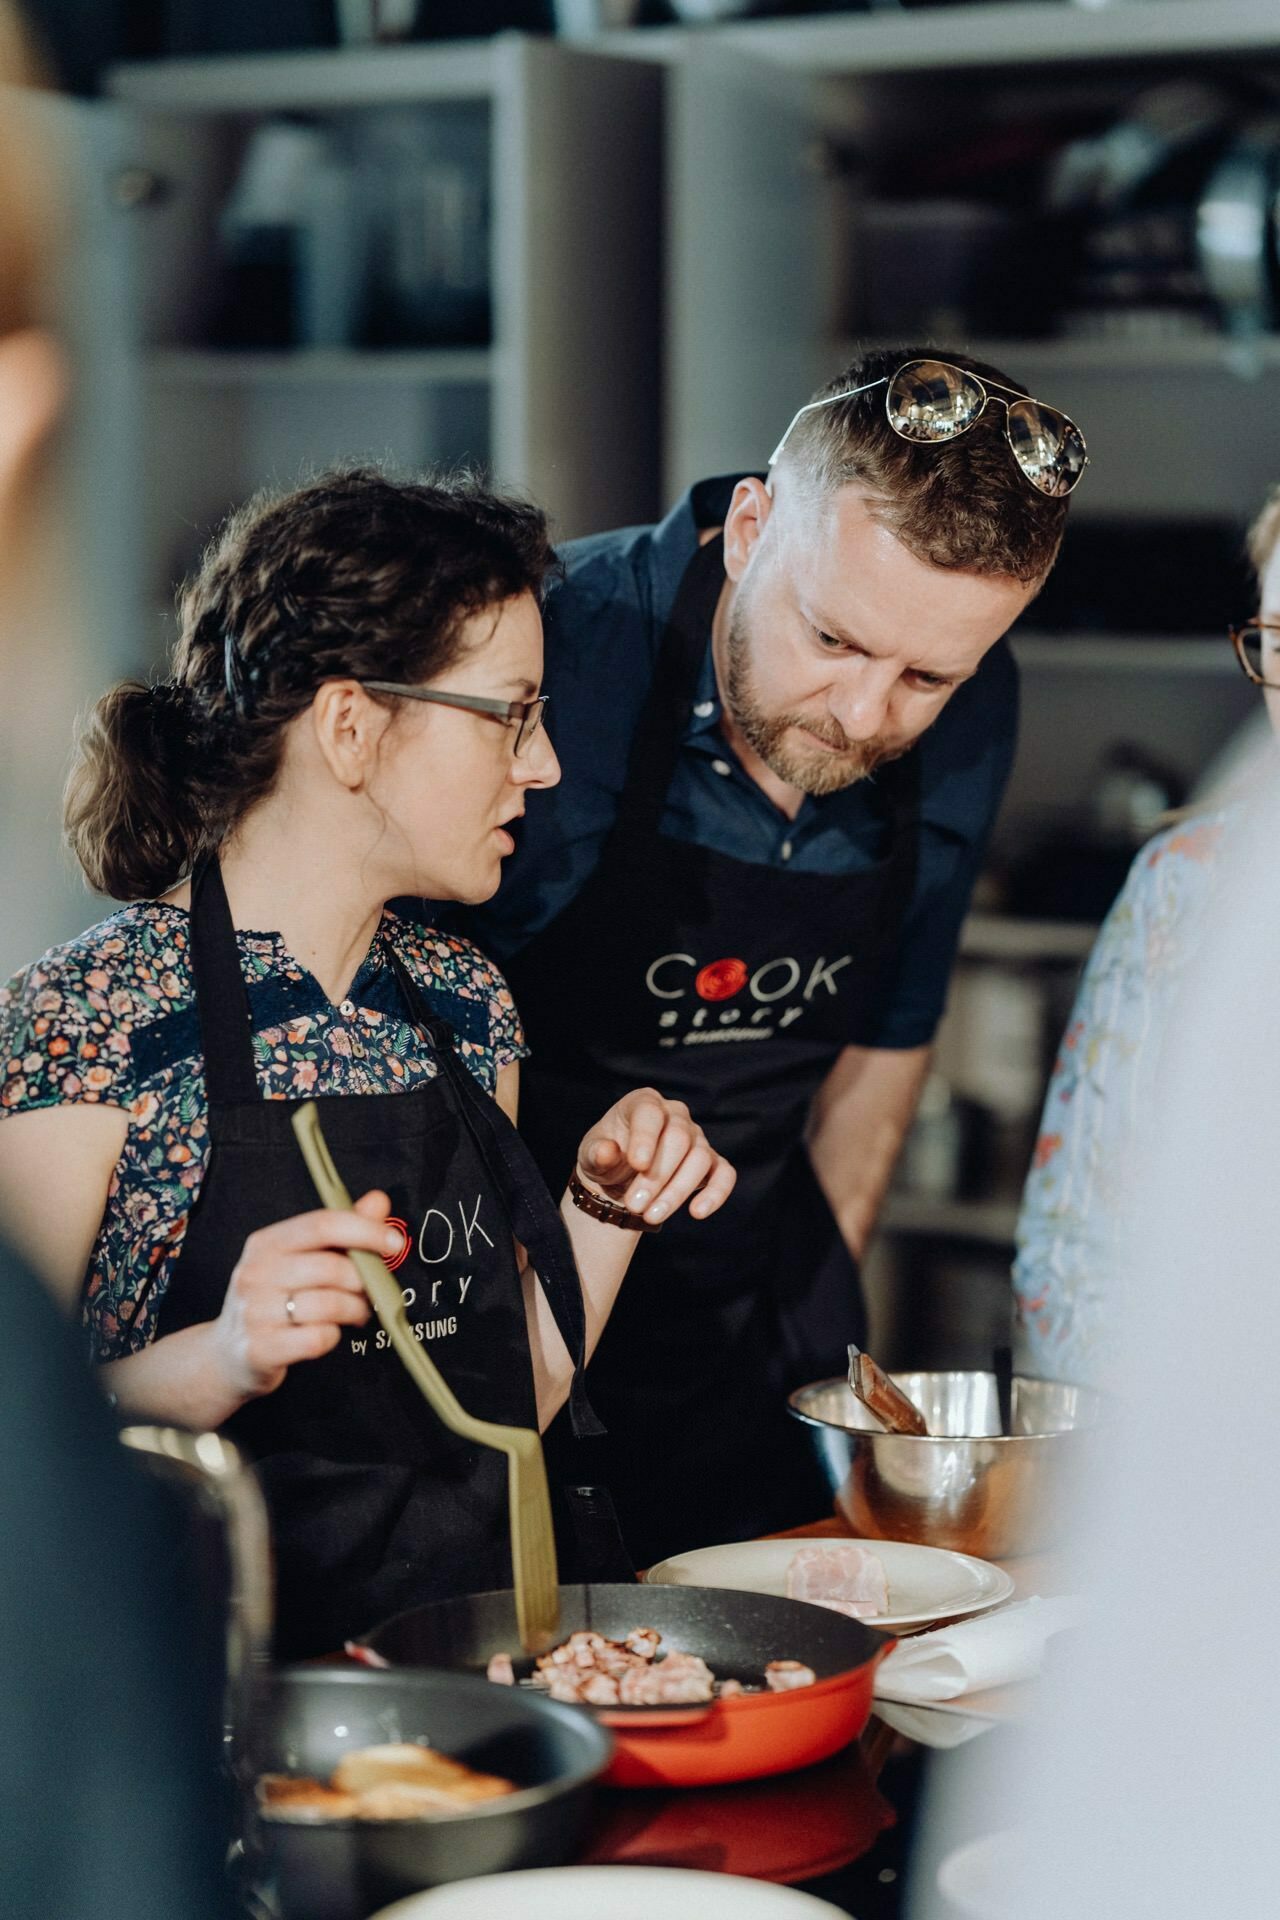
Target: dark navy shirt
[604, 621]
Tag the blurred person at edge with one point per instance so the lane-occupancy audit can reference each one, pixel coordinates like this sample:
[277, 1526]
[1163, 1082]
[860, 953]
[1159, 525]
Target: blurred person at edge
[1072, 1230]
[107, 1740]
[353, 714]
[1143, 1778]
[787, 717]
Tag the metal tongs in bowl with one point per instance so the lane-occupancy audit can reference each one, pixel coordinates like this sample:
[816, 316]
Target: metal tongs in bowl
[880, 1396]
[533, 1548]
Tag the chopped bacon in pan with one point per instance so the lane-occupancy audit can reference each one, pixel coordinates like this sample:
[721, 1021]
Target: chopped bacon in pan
[590, 1670]
[782, 1675]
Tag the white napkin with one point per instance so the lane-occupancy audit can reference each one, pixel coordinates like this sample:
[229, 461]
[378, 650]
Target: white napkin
[991, 1651]
[930, 1728]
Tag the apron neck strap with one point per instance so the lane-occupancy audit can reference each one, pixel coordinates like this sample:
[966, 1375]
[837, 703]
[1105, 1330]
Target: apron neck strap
[665, 715]
[535, 1217]
[222, 1002]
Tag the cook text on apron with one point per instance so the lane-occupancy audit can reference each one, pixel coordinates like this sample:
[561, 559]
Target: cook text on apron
[734, 987]
[374, 1505]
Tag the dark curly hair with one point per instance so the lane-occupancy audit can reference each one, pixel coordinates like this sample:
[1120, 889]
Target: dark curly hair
[963, 504]
[356, 573]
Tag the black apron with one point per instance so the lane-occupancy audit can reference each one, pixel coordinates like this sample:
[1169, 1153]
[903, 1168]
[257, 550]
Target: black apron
[733, 987]
[374, 1505]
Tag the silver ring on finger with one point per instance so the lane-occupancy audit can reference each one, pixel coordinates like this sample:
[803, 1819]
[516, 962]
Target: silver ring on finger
[290, 1309]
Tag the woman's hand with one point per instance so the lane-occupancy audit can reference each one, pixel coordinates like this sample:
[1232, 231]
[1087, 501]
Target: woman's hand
[293, 1291]
[650, 1155]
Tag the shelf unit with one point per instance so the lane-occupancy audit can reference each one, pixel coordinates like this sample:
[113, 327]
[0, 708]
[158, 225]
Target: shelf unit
[573, 143]
[980, 36]
[1122, 653]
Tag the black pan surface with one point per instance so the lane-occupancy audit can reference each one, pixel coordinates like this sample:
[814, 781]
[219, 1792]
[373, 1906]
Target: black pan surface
[737, 1634]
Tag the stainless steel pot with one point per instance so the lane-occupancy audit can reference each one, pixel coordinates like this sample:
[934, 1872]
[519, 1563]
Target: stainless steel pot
[965, 1485]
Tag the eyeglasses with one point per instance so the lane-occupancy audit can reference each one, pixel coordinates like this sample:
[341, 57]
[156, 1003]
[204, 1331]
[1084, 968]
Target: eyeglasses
[524, 715]
[930, 401]
[1258, 651]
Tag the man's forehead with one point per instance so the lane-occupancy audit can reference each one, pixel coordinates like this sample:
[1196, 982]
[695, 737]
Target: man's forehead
[850, 570]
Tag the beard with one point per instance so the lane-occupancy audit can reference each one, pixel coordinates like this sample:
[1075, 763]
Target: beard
[773, 736]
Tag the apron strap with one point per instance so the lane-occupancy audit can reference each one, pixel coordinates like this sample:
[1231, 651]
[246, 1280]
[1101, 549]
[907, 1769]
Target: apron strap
[535, 1218]
[222, 1000]
[656, 747]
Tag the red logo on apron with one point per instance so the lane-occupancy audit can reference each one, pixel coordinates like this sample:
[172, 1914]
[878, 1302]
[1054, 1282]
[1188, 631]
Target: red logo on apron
[722, 979]
[398, 1259]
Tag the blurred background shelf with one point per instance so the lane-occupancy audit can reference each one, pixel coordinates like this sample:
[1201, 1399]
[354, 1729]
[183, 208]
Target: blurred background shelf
[1124, 653]
[430, 255]
[436, 366]
[983, 36]
[1002, 936]
[320, 81]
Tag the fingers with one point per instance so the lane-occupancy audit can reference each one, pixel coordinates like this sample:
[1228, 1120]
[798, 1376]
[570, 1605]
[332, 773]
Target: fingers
[681, 1140]
[329, 1227]
[374, 1205]
[645, 1115]
[720, 1184]
[602, 1155]
[657, 1154]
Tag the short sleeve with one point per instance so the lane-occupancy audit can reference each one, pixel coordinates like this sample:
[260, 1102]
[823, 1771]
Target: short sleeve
[468, 991]
[64, 1033]
[1067, 1270]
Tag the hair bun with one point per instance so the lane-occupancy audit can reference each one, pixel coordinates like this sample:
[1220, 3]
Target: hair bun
[171, 696]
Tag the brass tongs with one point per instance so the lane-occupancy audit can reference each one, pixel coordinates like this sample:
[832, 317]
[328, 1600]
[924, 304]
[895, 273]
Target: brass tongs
[533, 1550]
[881, 1397]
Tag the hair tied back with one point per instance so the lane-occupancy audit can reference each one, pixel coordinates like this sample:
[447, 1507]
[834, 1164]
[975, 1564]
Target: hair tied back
[233, 670]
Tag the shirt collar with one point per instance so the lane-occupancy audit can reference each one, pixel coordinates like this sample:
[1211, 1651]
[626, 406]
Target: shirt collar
[674, 540]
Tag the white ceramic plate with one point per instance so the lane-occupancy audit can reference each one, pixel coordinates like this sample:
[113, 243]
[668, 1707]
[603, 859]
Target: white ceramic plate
[621, 1893]
[925, 1583]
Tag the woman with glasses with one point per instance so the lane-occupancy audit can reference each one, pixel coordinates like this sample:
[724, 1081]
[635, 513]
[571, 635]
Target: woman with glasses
[1070, 1262]
[353, 716]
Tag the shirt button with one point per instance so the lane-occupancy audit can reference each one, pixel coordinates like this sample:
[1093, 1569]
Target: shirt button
[348, 1009]
[722, 767]
[785, 849]
[704, 709]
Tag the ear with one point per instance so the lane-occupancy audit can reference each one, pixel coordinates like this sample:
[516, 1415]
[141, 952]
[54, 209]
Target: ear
[33, 386]
[348, 727]
[744, 523]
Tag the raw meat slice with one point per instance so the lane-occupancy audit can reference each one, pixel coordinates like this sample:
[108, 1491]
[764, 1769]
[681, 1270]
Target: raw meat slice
[845, 1577]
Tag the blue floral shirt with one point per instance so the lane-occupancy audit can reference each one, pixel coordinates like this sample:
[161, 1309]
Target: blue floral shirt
[110, 1017]
[1069, 1266]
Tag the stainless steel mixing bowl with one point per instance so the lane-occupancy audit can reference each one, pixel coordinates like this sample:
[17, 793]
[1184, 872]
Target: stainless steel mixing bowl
[966, 1485]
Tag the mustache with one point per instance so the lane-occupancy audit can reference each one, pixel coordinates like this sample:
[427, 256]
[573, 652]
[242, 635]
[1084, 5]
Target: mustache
[829, 731]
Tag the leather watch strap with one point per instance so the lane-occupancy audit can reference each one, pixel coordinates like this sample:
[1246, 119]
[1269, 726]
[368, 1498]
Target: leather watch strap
[607, 1210]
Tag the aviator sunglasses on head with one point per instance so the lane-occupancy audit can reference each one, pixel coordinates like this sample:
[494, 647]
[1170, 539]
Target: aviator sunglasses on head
[929, 401]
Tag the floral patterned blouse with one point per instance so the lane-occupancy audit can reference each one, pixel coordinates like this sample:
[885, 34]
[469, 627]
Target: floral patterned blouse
[1069, 1263]
[111, 1017]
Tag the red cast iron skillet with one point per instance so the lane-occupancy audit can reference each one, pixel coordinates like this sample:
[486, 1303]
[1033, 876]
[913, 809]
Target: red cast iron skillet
[737, 1634]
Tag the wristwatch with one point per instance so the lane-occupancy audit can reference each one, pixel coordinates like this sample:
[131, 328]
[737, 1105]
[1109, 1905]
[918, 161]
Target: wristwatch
[608, 1210]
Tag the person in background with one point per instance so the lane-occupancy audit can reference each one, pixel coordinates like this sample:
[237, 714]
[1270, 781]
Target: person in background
[787, 719]
[1071, 1229]
[108, 1788]
[354, 714]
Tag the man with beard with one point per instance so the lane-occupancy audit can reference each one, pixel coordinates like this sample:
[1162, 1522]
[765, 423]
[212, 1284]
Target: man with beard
[786, 716]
